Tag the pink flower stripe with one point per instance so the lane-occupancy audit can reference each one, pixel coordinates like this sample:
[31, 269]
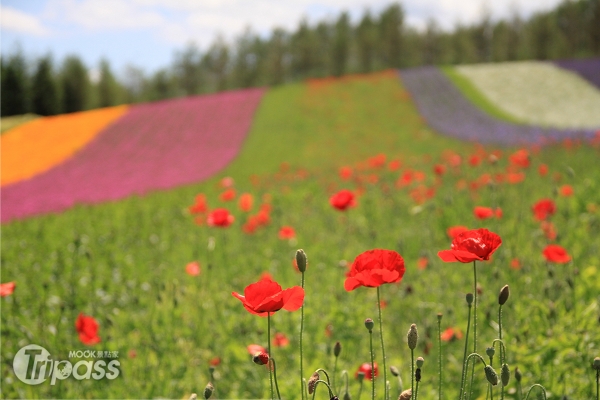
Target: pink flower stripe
[154, 146]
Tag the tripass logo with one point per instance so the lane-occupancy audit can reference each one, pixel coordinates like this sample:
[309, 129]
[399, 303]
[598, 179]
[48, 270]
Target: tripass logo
[33, 365]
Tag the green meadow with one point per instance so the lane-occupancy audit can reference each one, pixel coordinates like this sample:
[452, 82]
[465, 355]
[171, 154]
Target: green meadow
[124, 262]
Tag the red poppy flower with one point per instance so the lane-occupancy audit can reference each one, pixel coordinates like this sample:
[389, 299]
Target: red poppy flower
[245, 202]
[193, 268]
[474, 160]
[566, 191]
[543, 209]
[374, 268]
[266, 296]
[476, 244]
[214, 362]
[199, 206]
[342, 200]
[6, 289]
[228, 195]
[394, 165]
[280, 340]
[87, 327]
[220, 217]
[377, 161]
[439, 169]
[226, 182]
[556, 254]
[520, 158]
[454, 231]
[483, 212]
[515, 177]
[345, 173]
[422, 262]
[543, 169]
[366, 368]
[515, 263]
[287, 232]
[255, 348]
[451, 334]
[549, 230]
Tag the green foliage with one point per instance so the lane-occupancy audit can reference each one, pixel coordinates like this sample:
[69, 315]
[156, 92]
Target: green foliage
[15, 88]
[45, 100]
[75, 85]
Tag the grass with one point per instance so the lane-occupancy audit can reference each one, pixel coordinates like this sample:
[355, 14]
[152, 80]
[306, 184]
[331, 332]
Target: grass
[475, 96]
[7, 123]
[124, 262]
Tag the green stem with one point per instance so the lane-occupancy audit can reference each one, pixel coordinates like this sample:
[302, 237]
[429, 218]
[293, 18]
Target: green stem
[598, 385]
[519, 391]
[326, 384]
[464, 369]
[372, 366]
[275, 376]
[269, 347]
[360, 390]
[502, 349]
[536, 385]
[382, 346]
[301, 349]
[334, 373]
[474, 322]
[412, 370]
[440, 354]
[345, 373]
[417, 391]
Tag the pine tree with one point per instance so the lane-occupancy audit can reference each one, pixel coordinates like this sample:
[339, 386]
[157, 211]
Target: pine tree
[391, 26]
[366, 38]
[44, 89]
[341, 45]
[75, 85]
[14, 91]
[108, 88]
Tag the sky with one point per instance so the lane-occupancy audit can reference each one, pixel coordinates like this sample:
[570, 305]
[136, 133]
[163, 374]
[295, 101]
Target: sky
[147, 33]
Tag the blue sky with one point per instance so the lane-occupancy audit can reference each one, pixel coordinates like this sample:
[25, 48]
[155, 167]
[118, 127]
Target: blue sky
[147, 33]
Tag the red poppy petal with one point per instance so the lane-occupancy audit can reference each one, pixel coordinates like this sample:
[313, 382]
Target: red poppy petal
[466, 256]
[257, 292]
[293, 298]
[447, 256]
[351, 283]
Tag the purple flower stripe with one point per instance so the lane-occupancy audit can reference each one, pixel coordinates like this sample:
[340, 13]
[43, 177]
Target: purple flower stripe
[447, 111]
[154, 146]
[589, 69]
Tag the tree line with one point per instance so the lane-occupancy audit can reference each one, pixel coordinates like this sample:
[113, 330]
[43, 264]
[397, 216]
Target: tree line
[327, 48]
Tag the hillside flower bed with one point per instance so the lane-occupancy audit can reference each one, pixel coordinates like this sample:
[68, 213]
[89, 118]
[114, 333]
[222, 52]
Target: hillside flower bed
[38, 145]
[588, 69]
[154, 146]
[538, 93]
[447, 111]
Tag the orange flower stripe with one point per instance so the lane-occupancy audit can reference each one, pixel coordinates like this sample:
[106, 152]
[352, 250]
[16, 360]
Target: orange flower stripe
[36, 146]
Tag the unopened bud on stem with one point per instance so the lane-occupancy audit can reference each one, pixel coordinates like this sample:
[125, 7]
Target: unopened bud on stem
[208, 390]
[369, 324]
[412, 337]
[301, 260]
[503, 296]
[491, 375]
[337, 349]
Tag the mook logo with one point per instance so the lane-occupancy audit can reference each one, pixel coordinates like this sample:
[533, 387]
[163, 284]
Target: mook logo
[33, 365]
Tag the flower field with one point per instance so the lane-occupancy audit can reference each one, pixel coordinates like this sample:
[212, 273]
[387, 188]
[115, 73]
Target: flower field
[588, 69]
[153, 146]
[409, 239]
[538, 93]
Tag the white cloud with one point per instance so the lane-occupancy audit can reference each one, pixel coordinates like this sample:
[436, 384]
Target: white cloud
[20, 22]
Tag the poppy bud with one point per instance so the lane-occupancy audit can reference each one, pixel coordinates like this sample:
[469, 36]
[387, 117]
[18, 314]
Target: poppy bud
[518, 375]
[208, 390]
[312, 382]
[335, 398]
[420, 361]
[439, 316]
[211, 369]
[347, 396]
[360, 376]
[505, 374]
[490, 351]
[337, 349]
[503, 296]
[418, 375]
[301, 260]
[194, 396]
[369, 324]
[469, 298]
[406, 395]
[596, 364]
[491, 375]
[412, 337]
[261, 358]
[394, 371]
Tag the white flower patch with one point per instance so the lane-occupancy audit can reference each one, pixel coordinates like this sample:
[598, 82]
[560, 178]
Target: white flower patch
[538, 93]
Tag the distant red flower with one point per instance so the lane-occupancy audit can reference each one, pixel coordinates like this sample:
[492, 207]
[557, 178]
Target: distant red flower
[193, 268]
[226, 182]
[439, 169]
[515, 177]
[366, 368]
[246, 202]
[549, 230]
[383, 304]
[454, 231]
[394, 165]
[280, 340]
[474, 160]
[287, 232]
[483, 212]
[405, 179]
[87, 327]
[329, 330]
[515, 263]
[473, 245]
[199, 206]
[345, 172]
[214, 362]
[266, 296]
[220, 217]
[556, 254]
[227, 195]
[451, 334]
[543, 209]
[520, 158]
[566, 191]
[498, 212]
[422, 262]
[6, 289]
[263, 217]
[377, 161]
[373, 268]
[132, 353]
[543, 169]
[342, 200]
[255, 348]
